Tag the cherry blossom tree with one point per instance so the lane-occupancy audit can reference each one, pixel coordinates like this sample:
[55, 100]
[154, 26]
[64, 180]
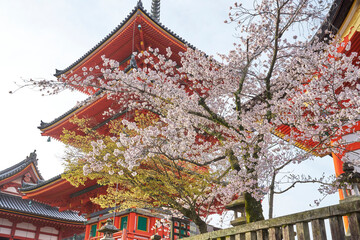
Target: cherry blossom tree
[222, 114]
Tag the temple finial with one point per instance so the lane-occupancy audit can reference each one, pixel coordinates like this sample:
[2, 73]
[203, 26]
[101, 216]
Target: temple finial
[139, 4]
[33, 157]
[155, 10]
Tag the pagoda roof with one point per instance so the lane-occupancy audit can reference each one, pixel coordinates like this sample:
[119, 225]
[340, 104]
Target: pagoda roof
[15, 204]
[72, 111]
[93, 109]
[138, 10]
[17, 168]
[336, 18]
[117, 45]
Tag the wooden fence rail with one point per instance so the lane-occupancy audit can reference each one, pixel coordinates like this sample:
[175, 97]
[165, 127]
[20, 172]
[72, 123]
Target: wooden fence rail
[298, 226]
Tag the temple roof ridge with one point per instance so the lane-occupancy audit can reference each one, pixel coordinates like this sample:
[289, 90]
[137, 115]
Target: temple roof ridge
[32, 158]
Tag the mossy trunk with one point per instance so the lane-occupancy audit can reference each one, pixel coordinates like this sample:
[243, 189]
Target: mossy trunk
[253, 209]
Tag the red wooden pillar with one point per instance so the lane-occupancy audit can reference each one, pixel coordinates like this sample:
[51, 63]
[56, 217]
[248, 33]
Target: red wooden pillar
[132, 222]
[37, 233]
[338, 169]
[87, 231]
[349, 150]
[117, 222]
[60, 233]
[151, 225]
[349, 146]
[13, 228]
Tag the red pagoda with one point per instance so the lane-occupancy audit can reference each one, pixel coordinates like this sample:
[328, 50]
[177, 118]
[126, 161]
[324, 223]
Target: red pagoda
[139, 31]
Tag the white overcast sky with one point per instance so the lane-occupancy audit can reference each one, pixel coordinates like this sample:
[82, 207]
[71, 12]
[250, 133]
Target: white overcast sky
[38, 36]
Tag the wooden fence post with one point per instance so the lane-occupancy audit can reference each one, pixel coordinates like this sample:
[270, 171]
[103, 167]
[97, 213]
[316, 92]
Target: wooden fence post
[288, 232]
[354, 225]
[274, 233]
[262, 234]
[302, 231]
[318, 229]
[337, 228]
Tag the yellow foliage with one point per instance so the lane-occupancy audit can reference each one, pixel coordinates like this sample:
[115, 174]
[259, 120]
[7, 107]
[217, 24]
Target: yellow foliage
[156, 182]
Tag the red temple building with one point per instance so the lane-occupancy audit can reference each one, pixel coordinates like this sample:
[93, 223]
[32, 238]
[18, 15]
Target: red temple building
[25, 219]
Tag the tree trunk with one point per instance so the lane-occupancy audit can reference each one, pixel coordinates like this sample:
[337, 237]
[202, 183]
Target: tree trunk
[253, 209]
[193, 216]
[271, 196]
[202, 226]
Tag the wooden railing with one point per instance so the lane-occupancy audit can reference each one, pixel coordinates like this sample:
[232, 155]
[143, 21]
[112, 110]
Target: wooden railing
[304, 226]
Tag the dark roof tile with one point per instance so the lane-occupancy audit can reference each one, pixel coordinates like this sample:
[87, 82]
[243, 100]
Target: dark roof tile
[17, 204]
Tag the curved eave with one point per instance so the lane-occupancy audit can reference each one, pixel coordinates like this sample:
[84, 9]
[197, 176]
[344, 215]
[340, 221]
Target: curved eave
[93, 111]
[44, 126]
[58, 122]
[283, 133]
[20, 166]
[23, 214]
[42, 187]
[59, 192]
